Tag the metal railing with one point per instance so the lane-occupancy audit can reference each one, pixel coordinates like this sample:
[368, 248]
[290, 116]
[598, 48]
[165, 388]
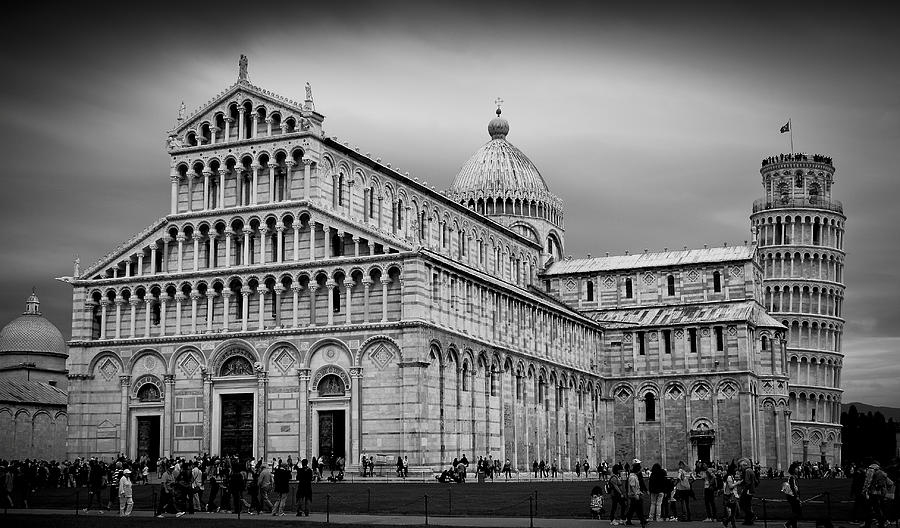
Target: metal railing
[764, 204]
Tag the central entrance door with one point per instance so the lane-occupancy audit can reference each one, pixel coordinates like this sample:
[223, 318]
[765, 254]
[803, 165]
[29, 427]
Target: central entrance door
[148, 438]
[237, 425]
[332, 434]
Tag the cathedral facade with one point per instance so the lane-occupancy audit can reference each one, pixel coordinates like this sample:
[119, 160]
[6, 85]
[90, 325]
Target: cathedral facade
[302, 297]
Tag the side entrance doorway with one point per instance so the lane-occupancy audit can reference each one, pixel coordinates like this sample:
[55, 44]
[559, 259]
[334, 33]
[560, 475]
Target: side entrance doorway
[332, 434]
[148, 438]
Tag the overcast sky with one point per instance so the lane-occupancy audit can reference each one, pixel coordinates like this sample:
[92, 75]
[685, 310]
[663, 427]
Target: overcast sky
[648, 121]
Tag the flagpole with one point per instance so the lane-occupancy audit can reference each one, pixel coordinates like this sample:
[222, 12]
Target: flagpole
[791, 130]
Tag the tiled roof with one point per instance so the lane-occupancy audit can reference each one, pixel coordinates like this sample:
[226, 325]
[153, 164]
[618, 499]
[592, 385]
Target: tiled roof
[686, 314]
[32, 333]
[27, 391]
[652, 260]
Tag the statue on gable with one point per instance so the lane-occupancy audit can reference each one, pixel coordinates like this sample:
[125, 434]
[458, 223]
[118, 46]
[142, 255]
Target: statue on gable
[181, 110]
[242, 68]
[172, 142]
[309, 99]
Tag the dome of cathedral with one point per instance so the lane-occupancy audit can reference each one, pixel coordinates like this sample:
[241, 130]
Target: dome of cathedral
[31, 332]
[498, 168]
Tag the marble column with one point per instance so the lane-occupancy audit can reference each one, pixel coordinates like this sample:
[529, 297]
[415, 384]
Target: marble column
[104, 302]
[306, 175]
[279, 250]
[195, 296]
[196, 237]
[210, 309]
[303, 414]
[119, 302]
[261, 293]
[331, 285]
[168, 416]
[384, 298]
[245, 311]
[226, 300]
[207, 410]
[133, 301]
[180, 238]
[174, 204]
[124, 385]
[296, 304]
[148, 307]
[348, 286]
[356, 376]
[261, 399]
[313, 288]
[297, 240]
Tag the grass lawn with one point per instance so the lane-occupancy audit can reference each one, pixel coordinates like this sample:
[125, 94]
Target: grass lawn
[551, 499]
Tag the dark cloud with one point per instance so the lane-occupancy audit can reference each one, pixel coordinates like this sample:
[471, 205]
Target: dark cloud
[648, 120]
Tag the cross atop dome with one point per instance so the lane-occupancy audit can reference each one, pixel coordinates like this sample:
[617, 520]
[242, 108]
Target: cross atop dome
[499, 103]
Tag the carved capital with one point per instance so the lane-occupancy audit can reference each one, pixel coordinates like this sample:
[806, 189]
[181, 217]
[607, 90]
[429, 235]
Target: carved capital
[169, 379]
[124, 380]
[356, 372]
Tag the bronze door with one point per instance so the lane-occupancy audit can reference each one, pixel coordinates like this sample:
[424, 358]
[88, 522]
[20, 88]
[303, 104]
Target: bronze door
[237, 425]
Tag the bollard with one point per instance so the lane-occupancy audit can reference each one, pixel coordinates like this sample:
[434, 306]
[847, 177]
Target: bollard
[369, 500]
[765, 516]
[535, 502]
[531, 512]
[327, 509]
[828, 503]
[449, 501]
[153, 502]
[77, 497]
[426, 509]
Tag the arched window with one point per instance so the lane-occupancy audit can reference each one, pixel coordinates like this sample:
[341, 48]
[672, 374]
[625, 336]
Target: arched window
[331, 385]
[399, 214]
[590, 290]
[765, 343]
[629, 288]
[336, 295]
[148, 393]
[649, 407]
[717, 282]
[340, 189]
[371, 202]
[236, 366]
[465, 376]
[670, 285]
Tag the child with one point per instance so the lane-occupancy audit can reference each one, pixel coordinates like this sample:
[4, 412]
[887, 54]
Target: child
[596, 502]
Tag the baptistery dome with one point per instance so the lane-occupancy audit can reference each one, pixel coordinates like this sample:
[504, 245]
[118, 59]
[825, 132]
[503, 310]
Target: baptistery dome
[498, 167]
[31, 332]
[500, 181]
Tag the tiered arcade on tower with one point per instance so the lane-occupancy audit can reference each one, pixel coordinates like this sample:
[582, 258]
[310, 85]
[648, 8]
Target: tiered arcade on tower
[800, 229]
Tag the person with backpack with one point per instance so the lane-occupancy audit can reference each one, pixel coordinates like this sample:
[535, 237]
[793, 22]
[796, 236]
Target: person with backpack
[614, 487]
[875, 488]
[749, 481]
[792, 495]
[683, 491]
[730, 496]
[636, 489]
[711, 488]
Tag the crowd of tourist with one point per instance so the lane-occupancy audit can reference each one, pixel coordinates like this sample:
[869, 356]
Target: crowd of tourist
[255, 486]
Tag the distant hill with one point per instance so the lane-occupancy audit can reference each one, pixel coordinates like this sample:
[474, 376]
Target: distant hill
[863, 408]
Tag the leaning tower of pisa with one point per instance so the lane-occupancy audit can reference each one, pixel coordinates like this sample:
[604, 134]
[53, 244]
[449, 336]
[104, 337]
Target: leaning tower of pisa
[800, 233]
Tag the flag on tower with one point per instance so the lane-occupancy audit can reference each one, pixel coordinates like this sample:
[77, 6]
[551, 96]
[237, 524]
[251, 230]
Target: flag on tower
[786, 127]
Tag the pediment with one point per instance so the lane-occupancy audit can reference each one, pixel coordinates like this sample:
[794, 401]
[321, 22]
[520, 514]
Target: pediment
[124, 251]
[208, 123]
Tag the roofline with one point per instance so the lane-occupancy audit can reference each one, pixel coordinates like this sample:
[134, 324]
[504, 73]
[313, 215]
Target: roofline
[437, 195]
[751, 258]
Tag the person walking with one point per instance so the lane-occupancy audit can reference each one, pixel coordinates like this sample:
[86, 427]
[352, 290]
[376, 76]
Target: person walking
[657, 492]
[710, 489]
[749, 481]
[167, 494]
[197, 487]
[683, 491]
[507, 468]
[617, 496]
[792, 495]
[874, 489]
[126, 498]
[281, 485]
[636, 491]
[304, 488]
[265, 482]
[730, 497]
[236, 487]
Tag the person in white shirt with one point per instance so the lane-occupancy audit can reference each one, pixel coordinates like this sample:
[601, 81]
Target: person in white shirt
[126, 498]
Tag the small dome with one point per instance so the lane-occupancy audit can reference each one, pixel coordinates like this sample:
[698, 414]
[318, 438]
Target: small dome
[498, 167]
[31, 332]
